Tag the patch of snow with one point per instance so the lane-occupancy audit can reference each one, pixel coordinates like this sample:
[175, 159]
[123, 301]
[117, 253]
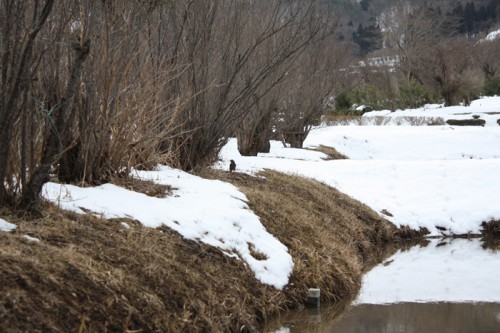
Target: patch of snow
[6, 226]
[492, 36]
[125, 225]
[31, 239]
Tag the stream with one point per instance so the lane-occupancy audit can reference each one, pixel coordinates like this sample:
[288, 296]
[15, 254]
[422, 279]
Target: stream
[445, 285]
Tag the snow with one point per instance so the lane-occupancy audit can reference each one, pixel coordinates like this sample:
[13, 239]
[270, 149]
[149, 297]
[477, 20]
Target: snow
[6, 226]
[492, 36]
[425, 176]
[31, 239]
[439, 272]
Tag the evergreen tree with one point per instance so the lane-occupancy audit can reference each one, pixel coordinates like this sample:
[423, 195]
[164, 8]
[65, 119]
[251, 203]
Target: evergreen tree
[469, 17]
[368, 39]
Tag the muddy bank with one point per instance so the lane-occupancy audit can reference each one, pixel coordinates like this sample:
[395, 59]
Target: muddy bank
[91, 275]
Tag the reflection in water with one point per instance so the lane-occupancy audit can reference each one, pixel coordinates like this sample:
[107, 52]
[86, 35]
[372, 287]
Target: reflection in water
[448, 270]
[419, 317]
[395, 318]
[457, 278]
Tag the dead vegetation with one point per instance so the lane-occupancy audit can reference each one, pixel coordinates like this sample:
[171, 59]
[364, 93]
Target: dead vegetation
[331, 237]
[466, 122]
[92, 275]
[146, 187]
[331, 152]
[344, 120]
[491, 234]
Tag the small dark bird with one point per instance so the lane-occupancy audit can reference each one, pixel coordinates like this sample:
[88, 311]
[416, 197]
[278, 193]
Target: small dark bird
[232, 166]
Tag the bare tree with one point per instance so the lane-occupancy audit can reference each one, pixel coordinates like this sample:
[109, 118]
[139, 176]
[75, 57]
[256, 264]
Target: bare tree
[53, 147]
[455, 71]
[125, 111]
[310, 88]
[304, 43]
[20, 26]
[236, 53]
[485, 54]
[88, 123]
[413, 33]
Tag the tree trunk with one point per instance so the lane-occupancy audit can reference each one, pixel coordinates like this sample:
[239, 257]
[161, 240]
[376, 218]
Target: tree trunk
[8, 114]
[246, 144]
[295, 139]
[54, 145]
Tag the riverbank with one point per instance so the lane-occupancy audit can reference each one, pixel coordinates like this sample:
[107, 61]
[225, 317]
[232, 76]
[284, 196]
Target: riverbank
[68, 272]
[193, 253]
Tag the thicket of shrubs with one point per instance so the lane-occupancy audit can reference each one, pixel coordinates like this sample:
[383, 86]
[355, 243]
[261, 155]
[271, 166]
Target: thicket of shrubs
[93, 89]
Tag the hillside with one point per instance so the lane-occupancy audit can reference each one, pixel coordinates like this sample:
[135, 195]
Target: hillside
[361, 19]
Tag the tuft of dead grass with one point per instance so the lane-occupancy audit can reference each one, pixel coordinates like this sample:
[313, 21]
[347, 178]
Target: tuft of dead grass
[491, 234]
[407, 234]
[147, 187]
[342, 120]
[92, 275]
[331, 152]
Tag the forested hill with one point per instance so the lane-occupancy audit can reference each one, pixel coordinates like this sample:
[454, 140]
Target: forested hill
[361, 18]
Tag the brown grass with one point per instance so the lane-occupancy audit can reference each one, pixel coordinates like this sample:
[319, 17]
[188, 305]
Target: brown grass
[93, 275]
[491, 234]
[332, 238]
[143, 186]
[332, 120]
[331, 152]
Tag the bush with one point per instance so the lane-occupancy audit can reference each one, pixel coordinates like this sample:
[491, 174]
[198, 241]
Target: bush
[370, 96]
[466, 122]
[492, 86]
[343, 101]
[412, 94]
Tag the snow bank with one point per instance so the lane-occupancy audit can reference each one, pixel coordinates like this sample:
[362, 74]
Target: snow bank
[7, 226]
[210, 211]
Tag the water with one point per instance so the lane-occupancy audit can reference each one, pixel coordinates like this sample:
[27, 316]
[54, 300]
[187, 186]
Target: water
[442, 286]
[395, 318]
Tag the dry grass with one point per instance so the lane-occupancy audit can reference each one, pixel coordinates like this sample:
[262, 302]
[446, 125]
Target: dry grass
[491, 234]
[143, 186]
[114, 279]
[331, 152]
[93, 275]
[331, 237]
[334, 120]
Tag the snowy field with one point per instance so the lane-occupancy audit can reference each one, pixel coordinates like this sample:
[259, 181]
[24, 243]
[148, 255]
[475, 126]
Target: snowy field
[437, 177]
[443, 178]
[487, 109]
